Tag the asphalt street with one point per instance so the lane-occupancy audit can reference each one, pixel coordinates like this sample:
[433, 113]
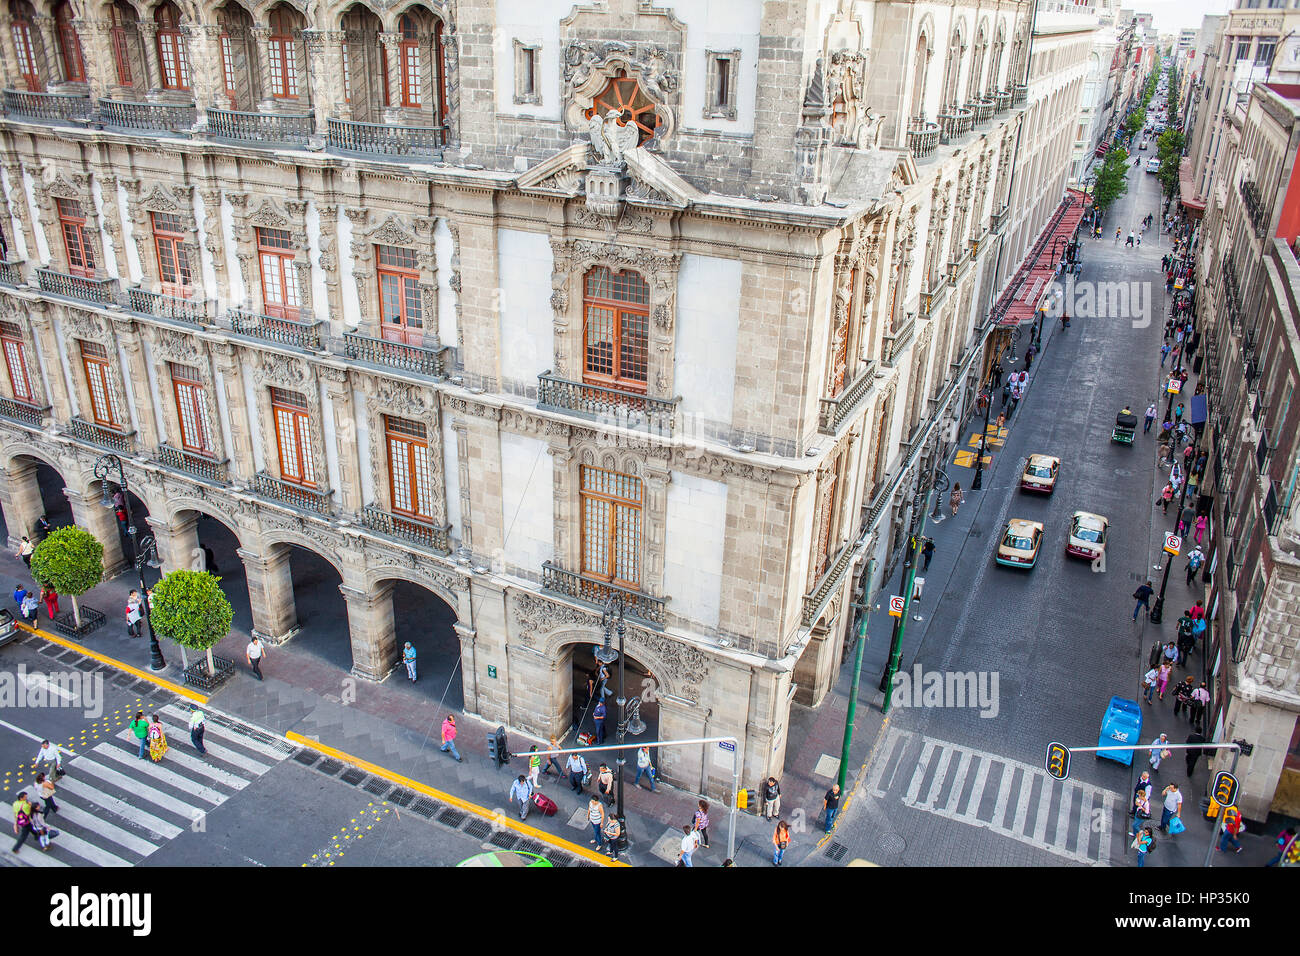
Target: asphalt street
[965, 785]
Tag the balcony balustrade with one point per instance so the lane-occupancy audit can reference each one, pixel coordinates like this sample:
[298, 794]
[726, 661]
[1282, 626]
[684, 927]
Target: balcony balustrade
[596, 593]
[23, 412]
[103, 436]
[144, 302]
[299, 496]
[303, 335]
[56, 107]
[416, 530]
[922, 138]
[273, 129]
[198, 464]
[618, 407]
[407, 358]
[374, 138]
[96, 291]
[164, 117]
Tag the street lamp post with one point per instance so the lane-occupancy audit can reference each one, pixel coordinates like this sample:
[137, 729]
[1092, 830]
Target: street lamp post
[1158, 611]
[142, 552]
[613, 617]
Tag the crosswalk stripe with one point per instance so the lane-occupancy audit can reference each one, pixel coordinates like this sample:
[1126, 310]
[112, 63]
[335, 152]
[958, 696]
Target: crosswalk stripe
[90, 821]
[977, 791]
[137, 789]
[959, 782]
[87, 851]
[1062, 835]
[936, 785]
[32, 855]
[120, 808]
[1108, 810]
[1087, 802]
[175, 755]
[214, 729]
[1004, 794]
[161, 774]
[914, 788]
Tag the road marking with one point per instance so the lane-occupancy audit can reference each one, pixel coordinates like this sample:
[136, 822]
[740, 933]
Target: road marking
[33, 680]
[227, 734]
[136, 788]
[102, 827]
[31, 736]
[959, 782]
[32, 855]
[87, 851]
[914, 788]
[160, 774]
[120, 808]
[200, 766]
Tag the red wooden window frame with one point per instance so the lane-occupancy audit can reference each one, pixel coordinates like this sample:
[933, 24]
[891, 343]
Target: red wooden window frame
[105, 406]
[825, 522]
[15, 351]
[74, 65]
[192, 409]
[612, 505]
[275, 255]
[121, 45]
[284, 58]
[173, 261]
[173, 59]
[410, 473]
[440, 71]
[21, 30]
[227, 67]
[72, 224]
[615, 329]
[401, 310]
[409, 61]
[840, 339]
[293, 438]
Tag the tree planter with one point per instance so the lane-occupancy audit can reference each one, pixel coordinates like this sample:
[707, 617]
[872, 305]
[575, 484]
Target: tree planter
[196, 675]
[91, 620]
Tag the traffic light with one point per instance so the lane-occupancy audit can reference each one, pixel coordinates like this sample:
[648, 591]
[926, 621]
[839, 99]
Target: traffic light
[1291, 854]
[1224, 789]
[497, 751]
[1058, 760]
[745, 799]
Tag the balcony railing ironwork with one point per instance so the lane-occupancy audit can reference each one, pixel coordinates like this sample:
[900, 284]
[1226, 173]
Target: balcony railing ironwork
[98, 291]
[593, 591]
[165, 117]
[1255, 208]
[144, 302]
[23, 412]
[192, 463]
[1019, 95]
[922, 138]
[836, 411]
[276, 129]
[955, 123]
[1002, 99]
[303, 335]
[59, 107]
[398, 355]
[371, 138]
[11, 273]
[896, 341]
[299, 496]
[103, 436]
[998, 221]
[815, 601]
[425, 533]
[983, 109]
[626, 409]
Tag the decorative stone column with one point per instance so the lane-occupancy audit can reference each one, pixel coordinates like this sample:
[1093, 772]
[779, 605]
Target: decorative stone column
[392, 44]
[178, 542]
[21, 208]
[206, 79]
[48, 356]
[339, 392]
[213, 240]
[225, 360]
[325, 70]
[20, 497]
[149, 40]
[372, 630]
[262, 38]
[469, 673]
[97, 55]
[328, 260]
[270, 594]
[88, 513]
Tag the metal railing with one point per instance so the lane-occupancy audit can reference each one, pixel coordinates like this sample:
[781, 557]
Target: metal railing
[592, 591]
[983, 109]
[998, 221]
[274, 128]
[407, 528]
[815, 601]
[897, 340]
[922, 138]
[60, 107]
[98, 291]
[24, 412]
[103, 436]
[192, 463]
[398, 355]
[1255, 208]
[299, 496]
[1019, 95]
[836, 411]
[933, 294]
[155, 116]
[303, 335]
[628, 409]
[11, 273]
[144, 302]
[955, 123]
[353, 137]
[1002, 99]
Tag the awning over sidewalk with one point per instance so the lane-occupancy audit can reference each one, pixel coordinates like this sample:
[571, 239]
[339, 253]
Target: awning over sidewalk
[1187, 191]
[1026, 290]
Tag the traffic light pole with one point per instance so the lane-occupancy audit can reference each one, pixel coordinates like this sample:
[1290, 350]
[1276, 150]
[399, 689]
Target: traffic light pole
[857, 677]
[1223, 814]
[909, 577]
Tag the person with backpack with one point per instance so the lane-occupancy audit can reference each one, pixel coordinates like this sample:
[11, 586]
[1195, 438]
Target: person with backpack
[1195, 558]
[1283, 838]
[1143, 597]
[22, 821]
[780, 841]
[1144, 843]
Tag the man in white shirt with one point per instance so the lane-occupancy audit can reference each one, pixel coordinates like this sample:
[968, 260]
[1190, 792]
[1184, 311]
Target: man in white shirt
[50, 756]
[254, 653]
[1173, 806]
[522, 791]
[133, 614]
[690, 840]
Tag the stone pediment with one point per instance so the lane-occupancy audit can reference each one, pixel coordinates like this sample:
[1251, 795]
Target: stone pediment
[648, 179]
[562, 174]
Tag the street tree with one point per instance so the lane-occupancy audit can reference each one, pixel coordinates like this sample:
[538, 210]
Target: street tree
[1169, 149]
[71, 561]
[1112, 179]
[190, 608]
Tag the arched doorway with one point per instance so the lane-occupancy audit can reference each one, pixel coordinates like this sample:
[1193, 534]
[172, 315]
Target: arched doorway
[33, 488]
[426, 620]
[641, 685]
[318, 604]
[202, 542]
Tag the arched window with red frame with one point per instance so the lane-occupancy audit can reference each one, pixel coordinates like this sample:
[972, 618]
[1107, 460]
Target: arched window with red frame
[401, 310]
[173, 260]
[409, 53]
[173, 57]
[74, 67]
[615, 333]
[283, 55]
[21, 30]
[121, 27]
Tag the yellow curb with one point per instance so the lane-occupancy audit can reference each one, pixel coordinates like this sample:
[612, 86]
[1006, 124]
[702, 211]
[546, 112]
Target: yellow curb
[465, 805]
[113, 662]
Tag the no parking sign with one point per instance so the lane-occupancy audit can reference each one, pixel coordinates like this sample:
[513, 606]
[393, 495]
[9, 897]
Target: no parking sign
[896, 606]
[1173, 544]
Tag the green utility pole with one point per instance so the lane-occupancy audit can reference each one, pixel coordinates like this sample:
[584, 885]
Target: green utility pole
[857, 676]
[909, 576]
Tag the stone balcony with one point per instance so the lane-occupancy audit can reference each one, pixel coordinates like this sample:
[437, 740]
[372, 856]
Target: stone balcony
[196, 312]
[831, 580]
[1019, 95]
[194, 463]
[23, 412]
[1002, 101]
[302, 497]
[922, 138]
[407, 528]
[983, 108]
[270, 129]
[282, 331]
[896, 342]
[53, 107]
[347, 136]
[95, 291]
[414, 359]
[11, 274]
[933, 292]
[613, 406]
[596, 593]
[158, 117]
[836, 412]
[102, 436]
[955, 123]
[998, 221]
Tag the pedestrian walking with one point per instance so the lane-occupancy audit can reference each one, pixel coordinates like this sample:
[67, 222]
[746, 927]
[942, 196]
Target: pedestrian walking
[1141, 810]
[955, 498]
[1178, 413]
[30, 608]
[701, 822]
[140, 727]
[605, 783]
[133, 616]
[1143, 597]
[1117, 232]
[43, 526]
[197, 727]
[25, 549]
[408, 658]
[1158, 751]
[552, 761]
[44, 787]
[831, 804]
[1164, 353]
[596, 817]
[771, 798]
[522, 792]
[1144, 843]
[1173, 806]
[1162, 679]
[534, 768]
[690, 841]
[20, 592]
[1149, 683]
[1129, 241]
[1232, 827]
[644, 765]
[1029, 356]
[51, 757]
[1150, 417]
[1200, 700]
[1006, 393]
[157, 740]
[1186, 641]
[1183, 694]
[598, 715]
[1193, 753]
[51, 599]
[22, 821]
[1202, 521]
[611, 830]
[577, 768]
[254, 653]
[449, 737]
[1166, 496]
[780, 841]
[927, 552]
[1195, 558]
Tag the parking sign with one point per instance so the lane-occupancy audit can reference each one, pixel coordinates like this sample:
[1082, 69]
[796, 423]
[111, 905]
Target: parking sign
[1173, 544]
[896, 606]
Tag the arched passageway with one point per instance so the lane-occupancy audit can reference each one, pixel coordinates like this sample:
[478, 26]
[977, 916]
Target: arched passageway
[641, 686]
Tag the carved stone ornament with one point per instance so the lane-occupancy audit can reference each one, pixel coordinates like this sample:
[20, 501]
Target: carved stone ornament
[176, 346]
[589, 66]
[391, 233]
[86, 325]
[267, 215]
[280, 370]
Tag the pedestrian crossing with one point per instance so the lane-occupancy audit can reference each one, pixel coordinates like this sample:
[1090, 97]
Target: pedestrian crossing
[116, 809]
[1068, 818]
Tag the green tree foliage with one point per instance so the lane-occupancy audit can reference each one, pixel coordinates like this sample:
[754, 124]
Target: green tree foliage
[70, 560]
[1112, 178]
[1169, 149]
[190, 609]
[1136, 120]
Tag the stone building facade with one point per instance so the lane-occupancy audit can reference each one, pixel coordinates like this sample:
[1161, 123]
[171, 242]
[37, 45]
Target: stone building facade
[529, 304]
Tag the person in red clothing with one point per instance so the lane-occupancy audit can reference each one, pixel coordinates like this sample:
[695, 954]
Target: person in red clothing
[1197, 612]
[1231, 830]
[51, 599]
